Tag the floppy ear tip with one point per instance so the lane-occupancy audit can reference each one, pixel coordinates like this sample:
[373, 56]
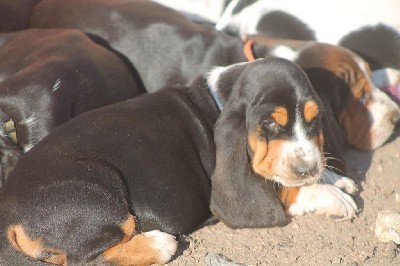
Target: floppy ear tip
[245, 204]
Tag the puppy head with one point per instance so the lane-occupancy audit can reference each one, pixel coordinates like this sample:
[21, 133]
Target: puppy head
[367, 115]
[274, 113]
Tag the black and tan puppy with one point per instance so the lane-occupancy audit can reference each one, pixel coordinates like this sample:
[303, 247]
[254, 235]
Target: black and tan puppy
[46, 78]
[111, 185]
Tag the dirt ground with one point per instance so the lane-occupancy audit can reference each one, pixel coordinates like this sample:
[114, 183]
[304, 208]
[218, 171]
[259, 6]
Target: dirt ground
[314, 239]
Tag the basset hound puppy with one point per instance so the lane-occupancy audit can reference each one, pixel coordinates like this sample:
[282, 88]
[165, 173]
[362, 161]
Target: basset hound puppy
[115, 184]
[46, 78]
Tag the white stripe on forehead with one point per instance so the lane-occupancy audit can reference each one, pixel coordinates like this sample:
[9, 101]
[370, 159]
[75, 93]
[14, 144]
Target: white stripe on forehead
[298, 128]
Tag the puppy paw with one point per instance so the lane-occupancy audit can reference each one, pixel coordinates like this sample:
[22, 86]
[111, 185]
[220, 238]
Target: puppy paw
[344, 183]
[165, 243]
[324, 199]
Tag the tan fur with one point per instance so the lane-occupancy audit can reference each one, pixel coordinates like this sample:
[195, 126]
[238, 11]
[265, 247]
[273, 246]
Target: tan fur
[34, 248]
[288, 195]
[128, 227]
[310, 110]
[133, 249]
[265, 155]
[280, 115]
[137, 251]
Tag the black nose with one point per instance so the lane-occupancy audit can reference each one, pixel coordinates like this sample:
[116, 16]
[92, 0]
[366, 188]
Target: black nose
[305, 170]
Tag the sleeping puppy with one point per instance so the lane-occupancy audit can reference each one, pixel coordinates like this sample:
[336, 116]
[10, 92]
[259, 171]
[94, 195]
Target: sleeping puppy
[46, 78]
[111, 185]
[371, 30]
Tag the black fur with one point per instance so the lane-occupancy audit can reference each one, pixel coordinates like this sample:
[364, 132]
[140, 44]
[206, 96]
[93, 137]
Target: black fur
[50, 76]
[164, 46]
[279, 24]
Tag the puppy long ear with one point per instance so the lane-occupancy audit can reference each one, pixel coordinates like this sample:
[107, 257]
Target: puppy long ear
[239, 198]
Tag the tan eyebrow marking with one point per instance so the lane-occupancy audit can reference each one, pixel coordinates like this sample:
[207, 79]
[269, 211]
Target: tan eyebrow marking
[280, 115]
[310, 110]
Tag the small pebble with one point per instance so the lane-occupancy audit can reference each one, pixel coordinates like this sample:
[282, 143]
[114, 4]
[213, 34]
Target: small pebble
[397, 196]
[387, 226]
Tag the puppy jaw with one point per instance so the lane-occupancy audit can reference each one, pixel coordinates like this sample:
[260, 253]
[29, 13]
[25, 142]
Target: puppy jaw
[295, 162]
[370, 117]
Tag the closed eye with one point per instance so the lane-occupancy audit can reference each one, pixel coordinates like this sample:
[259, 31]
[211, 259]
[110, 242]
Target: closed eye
[270, 126]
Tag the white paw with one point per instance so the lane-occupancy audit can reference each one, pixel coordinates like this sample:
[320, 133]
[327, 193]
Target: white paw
[324, 199]
[165, 243]
[342, 182]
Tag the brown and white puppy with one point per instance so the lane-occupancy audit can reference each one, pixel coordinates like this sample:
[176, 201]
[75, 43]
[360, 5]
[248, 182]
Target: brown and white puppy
[46, 78]
[75, 200]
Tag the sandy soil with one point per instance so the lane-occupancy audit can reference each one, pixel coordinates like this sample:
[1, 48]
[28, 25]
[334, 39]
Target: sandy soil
[314, 239]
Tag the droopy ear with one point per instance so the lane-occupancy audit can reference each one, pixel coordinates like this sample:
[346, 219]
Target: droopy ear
[240, 198]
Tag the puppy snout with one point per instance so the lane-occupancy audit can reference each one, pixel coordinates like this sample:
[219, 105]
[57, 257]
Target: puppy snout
[305, 169]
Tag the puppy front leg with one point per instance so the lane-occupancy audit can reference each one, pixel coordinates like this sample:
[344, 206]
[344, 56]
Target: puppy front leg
[319, 198]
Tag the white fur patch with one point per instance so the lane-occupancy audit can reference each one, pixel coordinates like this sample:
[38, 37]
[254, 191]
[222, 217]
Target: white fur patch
[342, 182]
[285, 52]
[301, 147]
[165, 243]
[212, 82]
[213, 78]
[324, 199]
